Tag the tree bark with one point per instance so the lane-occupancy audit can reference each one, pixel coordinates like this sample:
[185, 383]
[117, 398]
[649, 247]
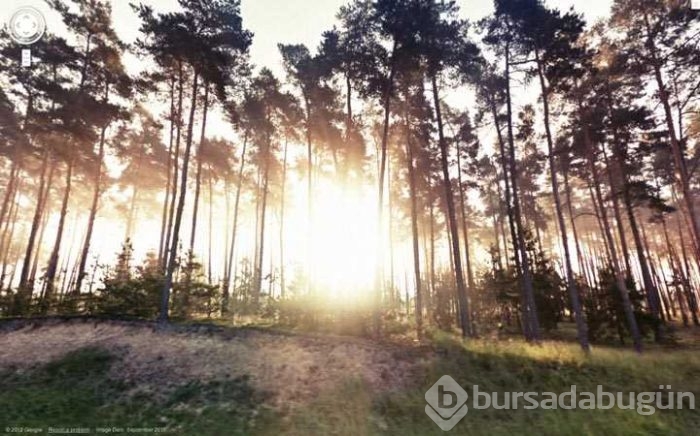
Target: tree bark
[231, 279]
[282, 204]
[531, 327]
[413, 194]
[172, 257]
[166, 201]
[34, 229]
[462, 297]
[681, 169]
[93, 207]
[198, 176]
[52, 268]
[620, 280]
[581, 325]
[176, 166]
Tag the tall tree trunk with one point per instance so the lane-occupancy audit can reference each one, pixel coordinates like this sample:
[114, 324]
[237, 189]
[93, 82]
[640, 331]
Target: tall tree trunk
[507, 187]
[390, 202]
[620, 280]
[210, 230]
[651, 291]
[497, 228]
[465, 225]
[581, 326]
[462, 297]
[176, 166]
[24, 289]
[531, 325]
[432, 246]
[231, 278]
[93, 208]
[282, 204]
[169, 180]
[690, 295]
[131, 217]
[380, 199]
[572, 219]
[8, 234]
[44, 222]
[52, 268]
[413, 194]
[615, 191]
[9, 191]
[172, 256]
[309, 199]
[263, 213]
[198, 176]
[680, 166]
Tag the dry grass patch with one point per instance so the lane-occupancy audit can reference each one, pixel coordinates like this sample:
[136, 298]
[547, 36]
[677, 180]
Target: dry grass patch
[289, 369]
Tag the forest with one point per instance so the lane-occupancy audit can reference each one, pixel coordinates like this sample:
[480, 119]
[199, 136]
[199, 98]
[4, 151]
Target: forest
[416, 177]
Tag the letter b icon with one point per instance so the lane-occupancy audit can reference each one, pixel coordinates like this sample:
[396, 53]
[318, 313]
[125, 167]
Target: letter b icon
[446, 399]
[446, 403]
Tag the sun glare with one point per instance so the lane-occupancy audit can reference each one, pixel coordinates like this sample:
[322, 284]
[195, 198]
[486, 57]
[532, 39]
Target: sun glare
[344, 242]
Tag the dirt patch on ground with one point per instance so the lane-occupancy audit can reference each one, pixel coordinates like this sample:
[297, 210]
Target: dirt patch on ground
[290, 369]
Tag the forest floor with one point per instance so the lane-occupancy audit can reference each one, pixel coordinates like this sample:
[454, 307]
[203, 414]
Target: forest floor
[204, 379]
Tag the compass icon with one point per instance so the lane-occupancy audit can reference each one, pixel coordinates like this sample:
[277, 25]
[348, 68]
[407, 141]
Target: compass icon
[27, 25]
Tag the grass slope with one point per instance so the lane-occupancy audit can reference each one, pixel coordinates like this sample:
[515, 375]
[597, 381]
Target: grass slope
[82, 388]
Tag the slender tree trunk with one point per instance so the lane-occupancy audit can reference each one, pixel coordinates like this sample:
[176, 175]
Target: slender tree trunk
[621, 284]
[211, 227]
[432, 246]
[572, 219]
[690, 295]
[680, 166]
[176, 166]
[380, 202]
[581, 326]
[93, 208]
[309, 200]
[391, 233]
[52, 268]
[531, 327]
[198, 177]
[24, 289]
[172, 257]
[239, 185]
[44, 222]
[263, 213]
[282, 204]
[166, 201]
[597, 206]
[497, 229]
[614, 193]
[507, 187]
[7, 236]
[462, 297]
[413, 194]
[465, 226]
[9, 191]
[650, 290]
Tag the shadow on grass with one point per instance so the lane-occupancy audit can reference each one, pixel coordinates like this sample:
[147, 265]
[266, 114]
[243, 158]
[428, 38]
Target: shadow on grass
[78, 390]
[550, 367]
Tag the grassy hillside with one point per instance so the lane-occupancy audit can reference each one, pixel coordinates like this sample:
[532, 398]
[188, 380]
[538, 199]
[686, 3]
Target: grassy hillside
[255, 382]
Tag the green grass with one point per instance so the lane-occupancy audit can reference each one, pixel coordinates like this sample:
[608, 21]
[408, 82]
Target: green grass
[551, 367]
[506, 367]
[78, 390]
